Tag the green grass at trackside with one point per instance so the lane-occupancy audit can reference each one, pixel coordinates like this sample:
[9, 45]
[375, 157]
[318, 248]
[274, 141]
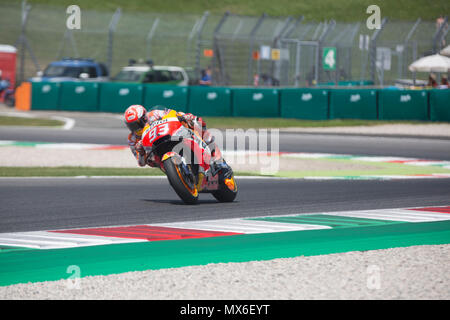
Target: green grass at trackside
[25, 121]
[382, 169]
[247, 123]
[345, 10]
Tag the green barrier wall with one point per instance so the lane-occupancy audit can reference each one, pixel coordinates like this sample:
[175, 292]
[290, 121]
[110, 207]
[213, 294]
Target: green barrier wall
[210, 101]
[440, 105]
[305, 103]
[353, 104]
[79, 96]
[262, 103]
[45, 95]
[403, 105]
[117, 97]
[173, 97]
[300, 103]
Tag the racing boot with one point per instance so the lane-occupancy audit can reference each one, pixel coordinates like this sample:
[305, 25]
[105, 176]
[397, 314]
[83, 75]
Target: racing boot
[222, 167]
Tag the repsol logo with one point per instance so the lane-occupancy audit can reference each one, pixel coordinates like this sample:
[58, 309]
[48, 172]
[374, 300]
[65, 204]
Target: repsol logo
[306, 96]
[355, 97]
[405, 98]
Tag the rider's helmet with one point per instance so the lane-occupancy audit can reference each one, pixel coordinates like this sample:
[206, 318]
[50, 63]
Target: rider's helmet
[135, 117]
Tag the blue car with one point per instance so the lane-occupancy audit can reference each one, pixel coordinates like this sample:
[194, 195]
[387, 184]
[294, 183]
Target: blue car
[73, 69]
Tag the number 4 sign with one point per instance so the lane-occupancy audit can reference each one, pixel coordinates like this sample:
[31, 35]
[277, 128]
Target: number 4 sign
[329, 58]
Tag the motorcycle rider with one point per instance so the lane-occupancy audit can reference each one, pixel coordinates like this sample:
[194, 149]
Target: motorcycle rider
[137, 118]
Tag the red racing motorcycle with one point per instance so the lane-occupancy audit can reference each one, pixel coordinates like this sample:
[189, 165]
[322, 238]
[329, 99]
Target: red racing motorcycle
[191, 166]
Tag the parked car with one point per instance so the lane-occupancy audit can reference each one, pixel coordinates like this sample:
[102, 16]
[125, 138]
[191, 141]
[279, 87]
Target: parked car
[73, 69]
[148, 73]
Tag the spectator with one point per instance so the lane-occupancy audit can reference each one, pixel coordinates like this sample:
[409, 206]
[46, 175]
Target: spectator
[439, 22]
[444, 82]
[432, 81]
[256, 80]
[4, 84]
[206, 77]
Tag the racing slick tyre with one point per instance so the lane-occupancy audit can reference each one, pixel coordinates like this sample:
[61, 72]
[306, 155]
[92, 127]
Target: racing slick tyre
[227, 190]
[183, 184]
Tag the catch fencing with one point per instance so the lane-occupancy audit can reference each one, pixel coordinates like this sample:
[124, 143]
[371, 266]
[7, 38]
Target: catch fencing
[240, 50]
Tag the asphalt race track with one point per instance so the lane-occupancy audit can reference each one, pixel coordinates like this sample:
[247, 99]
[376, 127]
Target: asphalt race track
[39, 204]
[45, 204]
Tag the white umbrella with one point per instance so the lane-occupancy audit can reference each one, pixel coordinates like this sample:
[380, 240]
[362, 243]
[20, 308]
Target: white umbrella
[446, 51]
[433, 63]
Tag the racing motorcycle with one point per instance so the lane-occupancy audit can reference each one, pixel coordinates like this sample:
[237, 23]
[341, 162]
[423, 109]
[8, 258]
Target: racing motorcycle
[185, 158]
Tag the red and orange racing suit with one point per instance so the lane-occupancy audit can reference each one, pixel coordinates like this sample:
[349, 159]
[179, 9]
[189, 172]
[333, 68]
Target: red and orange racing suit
[134, 138]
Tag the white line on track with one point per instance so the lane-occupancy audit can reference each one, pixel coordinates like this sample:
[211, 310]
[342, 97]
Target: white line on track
[69, 123]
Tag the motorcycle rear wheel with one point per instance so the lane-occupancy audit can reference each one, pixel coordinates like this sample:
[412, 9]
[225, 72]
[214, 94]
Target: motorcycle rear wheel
[188, 194]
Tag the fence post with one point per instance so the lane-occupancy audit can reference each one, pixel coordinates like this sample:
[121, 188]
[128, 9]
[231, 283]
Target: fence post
[438, 35]
[111, 29]
[292, 27]
[68, 35]
[150, 36]
[373, 50]
[25, 10]
[276, 65]
[23, 43]
[199, 39]
[328, 27]
[216, 51]
[405, 45]
[252, 41]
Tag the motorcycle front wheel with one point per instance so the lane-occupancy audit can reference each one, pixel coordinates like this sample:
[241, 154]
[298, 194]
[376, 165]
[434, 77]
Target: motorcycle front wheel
[185, 189]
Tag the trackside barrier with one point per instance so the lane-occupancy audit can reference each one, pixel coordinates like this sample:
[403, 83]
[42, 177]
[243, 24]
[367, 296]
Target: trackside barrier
[262, 103]
[300, 103]
[353, 104]
[403, 105]
[173, 97]
[116, 97]
[79, 96]
[440, 105]
[45, 95]
[311, 104]
[210, 101]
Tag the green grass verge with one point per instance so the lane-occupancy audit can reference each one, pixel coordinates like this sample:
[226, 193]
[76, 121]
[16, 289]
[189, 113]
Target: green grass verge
[246, 123]
[22, 121]
[381, 169]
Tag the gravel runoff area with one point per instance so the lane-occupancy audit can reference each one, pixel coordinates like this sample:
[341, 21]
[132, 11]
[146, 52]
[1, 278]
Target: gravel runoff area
[425, 130]
[417, 272]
